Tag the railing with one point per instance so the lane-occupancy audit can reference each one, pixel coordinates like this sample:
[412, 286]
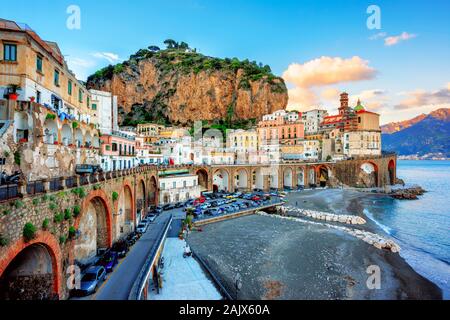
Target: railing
[216, 280]
[9, 191]
[55, 184]
[35, 187]
[144, 274]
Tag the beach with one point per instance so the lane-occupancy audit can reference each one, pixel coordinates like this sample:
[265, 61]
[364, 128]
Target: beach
[304, 259]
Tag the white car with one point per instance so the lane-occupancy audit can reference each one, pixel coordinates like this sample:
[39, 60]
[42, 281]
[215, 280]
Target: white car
[142, 227]
[151, 217]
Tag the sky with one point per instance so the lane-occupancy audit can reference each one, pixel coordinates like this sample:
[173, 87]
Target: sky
[399, 67]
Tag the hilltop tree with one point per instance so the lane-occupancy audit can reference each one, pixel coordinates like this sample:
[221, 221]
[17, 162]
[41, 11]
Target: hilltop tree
[154, 48]
[171, 44]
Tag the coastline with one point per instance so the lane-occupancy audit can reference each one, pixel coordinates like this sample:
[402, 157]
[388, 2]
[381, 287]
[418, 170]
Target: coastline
[303, 260]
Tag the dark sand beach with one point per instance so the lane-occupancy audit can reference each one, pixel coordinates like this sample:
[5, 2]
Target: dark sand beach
[283, 259]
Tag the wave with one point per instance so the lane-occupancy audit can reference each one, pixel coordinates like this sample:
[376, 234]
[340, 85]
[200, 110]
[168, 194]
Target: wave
[385, 228]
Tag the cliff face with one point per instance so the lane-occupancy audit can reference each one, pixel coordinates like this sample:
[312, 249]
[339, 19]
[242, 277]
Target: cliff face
[162, 86]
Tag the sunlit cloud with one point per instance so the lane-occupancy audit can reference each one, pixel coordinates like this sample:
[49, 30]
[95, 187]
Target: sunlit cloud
[393, 40]
[420, 98]
[378, 36]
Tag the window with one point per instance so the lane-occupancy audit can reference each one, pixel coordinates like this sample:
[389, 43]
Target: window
[56, 78]
[174, 185]
[94, 106]
[38, 97]
[10, 52]
[80, 95]
[69, 88]
[39, 63]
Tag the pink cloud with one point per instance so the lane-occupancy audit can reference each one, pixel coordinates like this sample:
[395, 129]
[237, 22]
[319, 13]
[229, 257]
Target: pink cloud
[393, 40]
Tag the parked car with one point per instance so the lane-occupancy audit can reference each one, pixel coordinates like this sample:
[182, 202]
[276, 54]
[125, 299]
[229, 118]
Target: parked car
[142, 227]
[178, 204]
[90, 280]
[109, 261]
[151, 217]
[88, 168]
[256, 198]
[121, 247]
[132, 238]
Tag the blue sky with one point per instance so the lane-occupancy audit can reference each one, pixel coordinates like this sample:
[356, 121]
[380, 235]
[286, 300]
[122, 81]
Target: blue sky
[400, 80]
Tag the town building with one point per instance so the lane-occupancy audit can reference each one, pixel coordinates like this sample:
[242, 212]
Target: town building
[280, 127]
[104, 106]
[351, 133]
[178, 186]
[312, 120]
[243, 143]
[118, 151]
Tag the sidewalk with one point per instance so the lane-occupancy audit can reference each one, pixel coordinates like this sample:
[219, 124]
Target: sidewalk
[183, 278]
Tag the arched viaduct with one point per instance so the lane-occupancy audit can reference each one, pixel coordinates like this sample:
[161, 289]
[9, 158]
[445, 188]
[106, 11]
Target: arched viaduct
[71, 218]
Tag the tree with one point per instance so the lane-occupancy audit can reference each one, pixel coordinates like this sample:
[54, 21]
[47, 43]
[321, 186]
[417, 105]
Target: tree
[171, 44]
[230, 114]
[183, 45]
[154, 48]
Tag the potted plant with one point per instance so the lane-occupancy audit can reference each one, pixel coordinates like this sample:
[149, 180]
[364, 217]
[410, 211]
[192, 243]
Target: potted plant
[13, 88]
[23, 140]
[32, 99]
[56, 143]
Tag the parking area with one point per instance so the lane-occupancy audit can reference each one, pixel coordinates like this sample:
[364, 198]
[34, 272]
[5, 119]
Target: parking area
[222, 203]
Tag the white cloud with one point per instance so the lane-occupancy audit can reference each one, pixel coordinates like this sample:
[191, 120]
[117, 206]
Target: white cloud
[80, 67]
[111, 57]
[393, 40]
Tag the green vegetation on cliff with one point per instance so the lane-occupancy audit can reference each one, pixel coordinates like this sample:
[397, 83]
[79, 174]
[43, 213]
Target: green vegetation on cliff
[178, 57]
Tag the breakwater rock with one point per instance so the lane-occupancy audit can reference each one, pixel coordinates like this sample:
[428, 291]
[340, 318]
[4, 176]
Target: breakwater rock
[407, 193]
[326, 216]
[373, 239]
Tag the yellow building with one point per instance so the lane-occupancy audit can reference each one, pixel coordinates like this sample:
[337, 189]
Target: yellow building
[149, 129]
[242, 141]
[38, 68]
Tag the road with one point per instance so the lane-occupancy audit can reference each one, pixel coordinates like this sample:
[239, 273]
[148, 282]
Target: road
[118, 284]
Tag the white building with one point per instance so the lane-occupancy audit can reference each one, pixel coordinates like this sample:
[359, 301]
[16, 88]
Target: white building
[312, 119]
[104, 105]
[362, 143]
[311, 149]
[291, 116]
[177, 151]
[176, 188]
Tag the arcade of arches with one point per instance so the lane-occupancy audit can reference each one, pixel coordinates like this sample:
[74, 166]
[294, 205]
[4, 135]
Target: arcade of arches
[104, 219]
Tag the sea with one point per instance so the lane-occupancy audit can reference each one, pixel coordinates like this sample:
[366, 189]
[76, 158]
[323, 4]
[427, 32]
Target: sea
[421, 227]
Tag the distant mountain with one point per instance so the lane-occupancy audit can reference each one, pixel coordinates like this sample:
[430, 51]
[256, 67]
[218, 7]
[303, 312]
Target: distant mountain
[398, 126]
[429, 135]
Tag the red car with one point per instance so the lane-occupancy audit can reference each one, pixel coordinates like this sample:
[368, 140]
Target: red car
[199, 201]
[256, 198]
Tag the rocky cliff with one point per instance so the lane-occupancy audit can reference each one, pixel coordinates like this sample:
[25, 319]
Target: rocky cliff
[179, 86]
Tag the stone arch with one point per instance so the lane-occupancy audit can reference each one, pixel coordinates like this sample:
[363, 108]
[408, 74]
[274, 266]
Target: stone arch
[221, 180]
[369, 174]
[288, 178]
[23, 126]
[323, 175]
[28, 263]
[88, 139]
[258, 179]
[153, 191]
[300, 177]
[125, 216]
[273, 179]
[50, 131]
[391, 170]
[202, 178]
[94, 225]
[66, 134]
[78, 135]
[141, 199]
[95, 140]
[241, 179]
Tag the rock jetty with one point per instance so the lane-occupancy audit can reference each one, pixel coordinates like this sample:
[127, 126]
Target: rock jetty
[326, 216]
[373, 239]
[407, 193]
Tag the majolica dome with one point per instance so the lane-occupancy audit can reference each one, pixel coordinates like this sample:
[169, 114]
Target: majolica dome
[359, 106]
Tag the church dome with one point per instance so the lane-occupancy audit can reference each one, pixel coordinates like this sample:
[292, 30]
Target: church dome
[359, 106]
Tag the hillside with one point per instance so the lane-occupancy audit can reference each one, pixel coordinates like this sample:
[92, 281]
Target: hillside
[429, 135]
[178, 86]
[399, 126]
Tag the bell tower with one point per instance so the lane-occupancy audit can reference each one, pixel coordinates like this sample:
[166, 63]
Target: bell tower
[344, 103]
